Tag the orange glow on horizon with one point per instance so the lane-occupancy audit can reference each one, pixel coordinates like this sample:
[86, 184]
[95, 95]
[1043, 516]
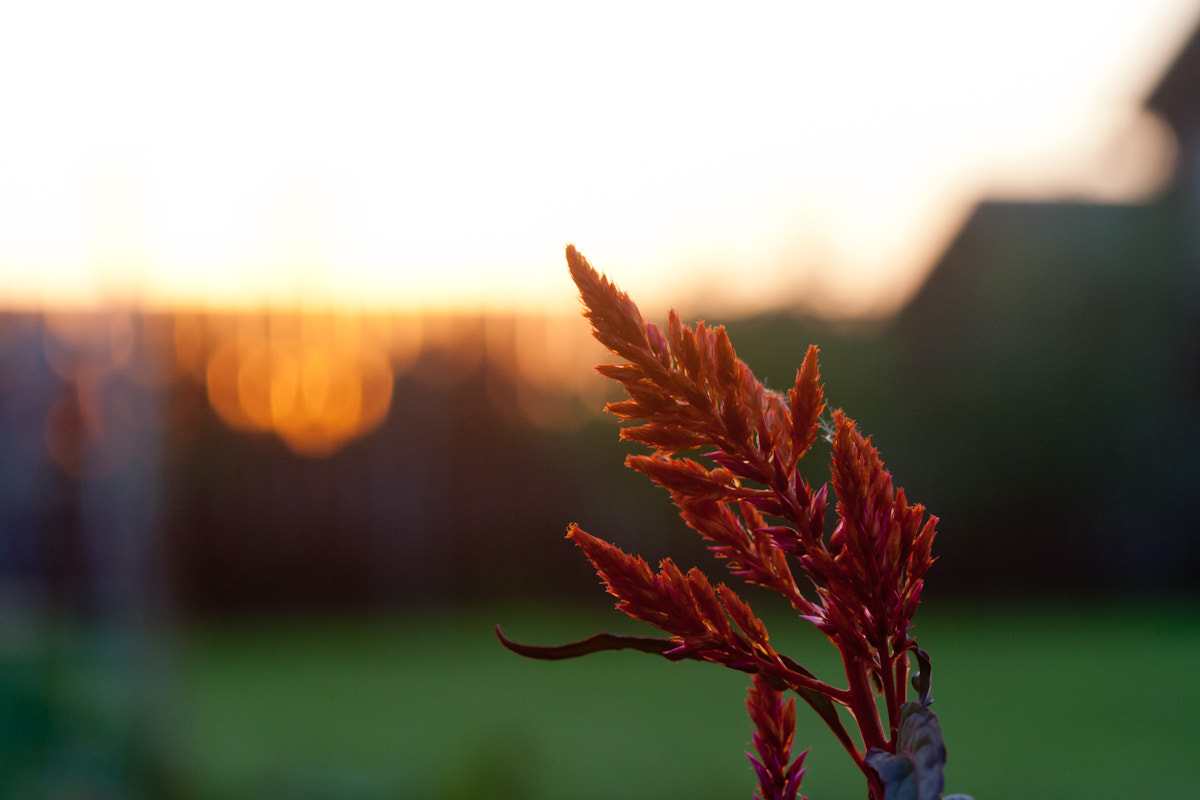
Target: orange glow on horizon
[380, 160]
[309, 201]
[319, 381]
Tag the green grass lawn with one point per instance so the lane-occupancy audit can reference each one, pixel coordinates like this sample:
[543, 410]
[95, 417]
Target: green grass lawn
[1044, 702]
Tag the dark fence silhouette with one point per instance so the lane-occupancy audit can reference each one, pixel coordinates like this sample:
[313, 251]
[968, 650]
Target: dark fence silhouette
[1041, 394]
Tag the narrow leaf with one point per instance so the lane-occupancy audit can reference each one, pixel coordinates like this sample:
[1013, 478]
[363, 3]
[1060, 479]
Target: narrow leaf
[592, 644]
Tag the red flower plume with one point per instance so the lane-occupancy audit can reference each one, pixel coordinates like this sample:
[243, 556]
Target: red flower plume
[739, 487]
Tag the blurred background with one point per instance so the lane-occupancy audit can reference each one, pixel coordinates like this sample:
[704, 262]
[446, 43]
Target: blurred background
[296, 403]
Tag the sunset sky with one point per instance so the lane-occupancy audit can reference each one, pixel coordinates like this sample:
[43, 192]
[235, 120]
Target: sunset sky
[400, 156]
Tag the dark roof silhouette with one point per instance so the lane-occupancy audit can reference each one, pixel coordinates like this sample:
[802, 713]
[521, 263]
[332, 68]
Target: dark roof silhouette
[1177, 96]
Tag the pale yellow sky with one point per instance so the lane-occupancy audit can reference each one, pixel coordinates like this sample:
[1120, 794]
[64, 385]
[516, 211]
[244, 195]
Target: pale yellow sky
[400, 155]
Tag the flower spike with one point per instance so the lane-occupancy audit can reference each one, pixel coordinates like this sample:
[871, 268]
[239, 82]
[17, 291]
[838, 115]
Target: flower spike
[774, 728]
[688, 391]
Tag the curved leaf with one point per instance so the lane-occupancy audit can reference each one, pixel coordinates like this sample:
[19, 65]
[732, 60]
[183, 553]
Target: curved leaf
[592, 644]
[922, 679]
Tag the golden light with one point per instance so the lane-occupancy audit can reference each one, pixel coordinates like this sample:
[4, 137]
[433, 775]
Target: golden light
[376, 158]
[316, 381]
[386, 155]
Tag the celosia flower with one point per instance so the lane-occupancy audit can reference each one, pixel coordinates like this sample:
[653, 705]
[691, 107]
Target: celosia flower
[688, 392]
[774, 727]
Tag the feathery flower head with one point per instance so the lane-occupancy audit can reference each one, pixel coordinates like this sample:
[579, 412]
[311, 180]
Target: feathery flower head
[740, 488]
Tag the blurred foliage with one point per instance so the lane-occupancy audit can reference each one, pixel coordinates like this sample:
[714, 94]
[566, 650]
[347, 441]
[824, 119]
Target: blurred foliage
[79, 719]
[1041, 395]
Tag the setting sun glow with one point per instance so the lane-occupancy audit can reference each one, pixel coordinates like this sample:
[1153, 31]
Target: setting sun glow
[279, 175]
[368, 155]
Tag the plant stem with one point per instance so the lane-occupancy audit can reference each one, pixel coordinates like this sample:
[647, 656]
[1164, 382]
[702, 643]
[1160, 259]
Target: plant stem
[900, 670]
[887, 677]
[862, 704]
